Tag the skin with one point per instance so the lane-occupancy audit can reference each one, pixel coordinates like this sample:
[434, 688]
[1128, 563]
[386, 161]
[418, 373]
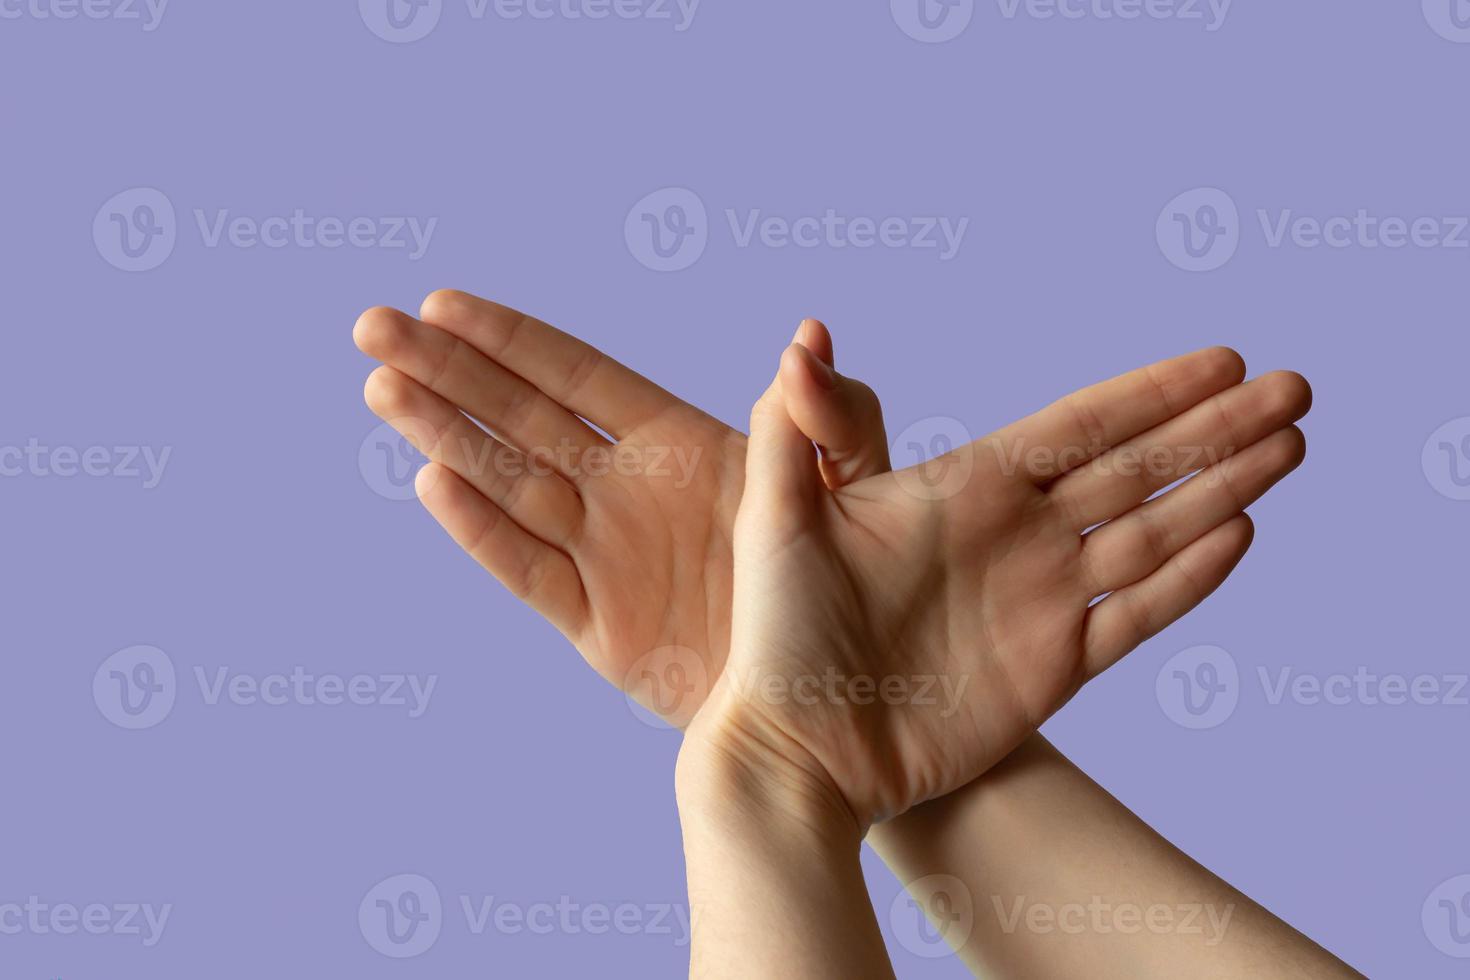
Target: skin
[621, 565]
[773, 772]
[775, 885]
[989, 582]
[1035, 833]
[986, 589]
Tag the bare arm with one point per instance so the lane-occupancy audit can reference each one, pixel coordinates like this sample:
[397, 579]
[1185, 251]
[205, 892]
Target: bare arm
[775, 887]
[1035, 826]
[1057, 878]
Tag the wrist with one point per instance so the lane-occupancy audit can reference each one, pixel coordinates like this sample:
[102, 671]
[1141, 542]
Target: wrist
[738, 774]
[767, 842]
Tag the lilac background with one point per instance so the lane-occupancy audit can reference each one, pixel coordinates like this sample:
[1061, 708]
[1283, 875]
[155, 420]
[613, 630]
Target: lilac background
[528, 778]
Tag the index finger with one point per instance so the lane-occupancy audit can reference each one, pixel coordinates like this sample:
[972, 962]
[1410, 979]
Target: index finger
[571, 372]
[1088, 422]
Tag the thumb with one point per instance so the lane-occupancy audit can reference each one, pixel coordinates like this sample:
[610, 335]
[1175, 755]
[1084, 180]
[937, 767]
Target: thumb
[841, 415]
[781, 474]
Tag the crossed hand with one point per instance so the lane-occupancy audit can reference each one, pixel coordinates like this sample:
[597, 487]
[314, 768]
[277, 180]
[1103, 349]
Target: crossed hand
[799, 554]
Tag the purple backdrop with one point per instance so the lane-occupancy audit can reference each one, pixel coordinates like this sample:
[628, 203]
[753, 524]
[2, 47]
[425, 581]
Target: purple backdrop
[188, 466]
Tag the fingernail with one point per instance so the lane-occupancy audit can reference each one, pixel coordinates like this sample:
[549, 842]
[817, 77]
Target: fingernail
[820, 370]
[796, 337]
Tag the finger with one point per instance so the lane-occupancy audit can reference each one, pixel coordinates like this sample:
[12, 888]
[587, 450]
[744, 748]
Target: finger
[1119, 623]
[535, 498]
[842, 416]
[1124, 477]
[507, 404]
[536, 573]
[572, 373]
[781, 463]
[815, 337]
[1069, 432]
[1133, 546]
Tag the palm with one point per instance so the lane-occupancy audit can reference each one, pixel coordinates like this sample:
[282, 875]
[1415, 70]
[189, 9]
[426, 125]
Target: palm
[654, 555]
[976, 580]
[971, 610]
[992, 579]
[632, 564]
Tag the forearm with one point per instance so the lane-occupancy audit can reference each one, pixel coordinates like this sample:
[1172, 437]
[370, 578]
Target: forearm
[1063, 880]
[775, 885]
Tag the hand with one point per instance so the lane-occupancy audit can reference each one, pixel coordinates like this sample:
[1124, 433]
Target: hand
[895, 637]
[624, 563]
